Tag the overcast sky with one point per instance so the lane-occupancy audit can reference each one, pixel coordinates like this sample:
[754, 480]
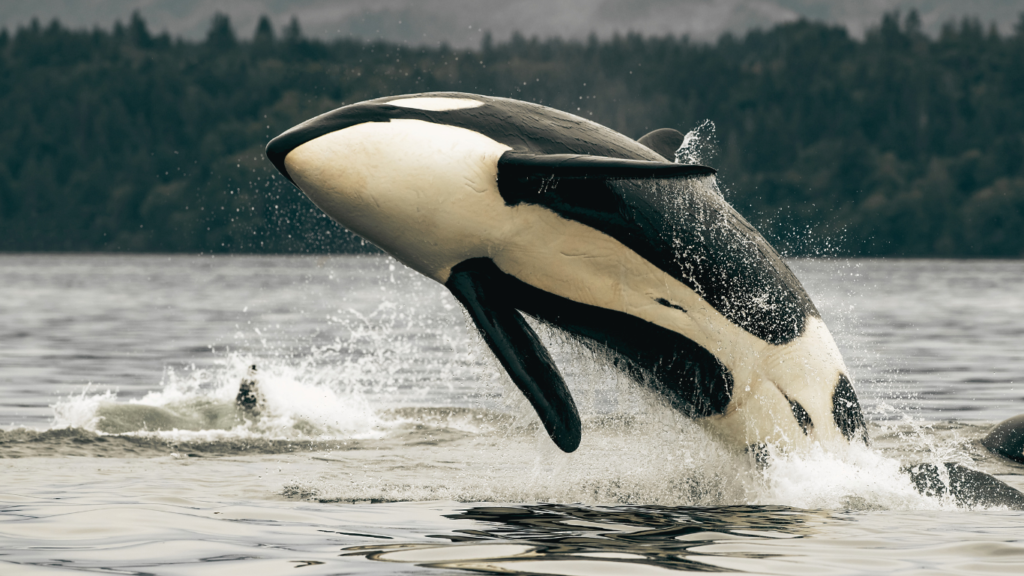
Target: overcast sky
[462, 22]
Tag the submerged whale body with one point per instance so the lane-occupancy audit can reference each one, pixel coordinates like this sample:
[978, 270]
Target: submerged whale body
[1007, 439]
[521, 209]
[967, 487]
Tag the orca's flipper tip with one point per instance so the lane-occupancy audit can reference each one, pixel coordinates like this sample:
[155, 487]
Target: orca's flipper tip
[568, 433]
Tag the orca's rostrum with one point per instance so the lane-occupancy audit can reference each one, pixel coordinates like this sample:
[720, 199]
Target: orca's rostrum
[522, 209]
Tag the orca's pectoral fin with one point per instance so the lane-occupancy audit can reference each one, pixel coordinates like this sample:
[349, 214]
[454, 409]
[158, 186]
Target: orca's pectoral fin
[518, 349]
[516, 168]
[664, 141]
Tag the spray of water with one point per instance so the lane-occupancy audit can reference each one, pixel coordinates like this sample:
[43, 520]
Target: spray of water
[700, 145]
[301, 401]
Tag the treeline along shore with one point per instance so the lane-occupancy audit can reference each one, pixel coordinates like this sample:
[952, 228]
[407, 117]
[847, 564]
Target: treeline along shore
[898, 144]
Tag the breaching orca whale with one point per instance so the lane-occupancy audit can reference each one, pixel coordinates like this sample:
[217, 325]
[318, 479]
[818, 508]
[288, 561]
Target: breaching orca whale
[522, 209]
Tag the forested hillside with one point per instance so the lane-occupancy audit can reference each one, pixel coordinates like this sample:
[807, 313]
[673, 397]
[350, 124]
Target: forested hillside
[900, 144]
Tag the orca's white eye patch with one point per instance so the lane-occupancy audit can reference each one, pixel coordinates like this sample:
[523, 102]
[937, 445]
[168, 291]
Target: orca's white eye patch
[438, 104]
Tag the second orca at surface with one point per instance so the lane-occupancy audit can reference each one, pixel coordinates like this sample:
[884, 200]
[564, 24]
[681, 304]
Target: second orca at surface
[522, 209]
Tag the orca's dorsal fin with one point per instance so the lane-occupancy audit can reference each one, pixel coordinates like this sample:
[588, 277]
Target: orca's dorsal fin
[664, 141]
[518, 349]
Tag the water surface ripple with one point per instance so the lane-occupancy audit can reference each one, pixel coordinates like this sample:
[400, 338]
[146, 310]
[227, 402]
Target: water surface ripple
[388, 442]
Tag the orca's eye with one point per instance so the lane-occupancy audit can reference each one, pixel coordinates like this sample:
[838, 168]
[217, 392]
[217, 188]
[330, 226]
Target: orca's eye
[846, 410]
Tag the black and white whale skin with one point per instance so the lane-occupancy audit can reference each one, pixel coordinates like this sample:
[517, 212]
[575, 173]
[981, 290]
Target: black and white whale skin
[522, 209]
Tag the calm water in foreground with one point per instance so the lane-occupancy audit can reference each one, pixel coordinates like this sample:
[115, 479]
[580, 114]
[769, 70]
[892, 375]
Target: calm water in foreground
[390, 443]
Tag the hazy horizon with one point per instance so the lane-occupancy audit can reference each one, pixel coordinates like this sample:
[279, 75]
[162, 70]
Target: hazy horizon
[462, 23]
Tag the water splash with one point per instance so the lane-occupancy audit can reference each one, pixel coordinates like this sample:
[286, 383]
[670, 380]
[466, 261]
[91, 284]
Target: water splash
[302, 400]
[700, 145]
[346, 387]
[856, 478]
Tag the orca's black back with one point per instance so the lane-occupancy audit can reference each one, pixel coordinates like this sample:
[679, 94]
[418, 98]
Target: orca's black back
[523, 126]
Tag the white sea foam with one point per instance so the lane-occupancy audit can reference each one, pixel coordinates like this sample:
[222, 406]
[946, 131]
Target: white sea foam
[858, 478]
[80, 410]
[301, 399]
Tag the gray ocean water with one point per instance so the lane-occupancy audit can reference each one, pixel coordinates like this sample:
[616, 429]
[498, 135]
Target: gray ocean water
[389, 441]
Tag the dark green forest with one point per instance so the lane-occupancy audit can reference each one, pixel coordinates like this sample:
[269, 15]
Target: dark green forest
[899, 144]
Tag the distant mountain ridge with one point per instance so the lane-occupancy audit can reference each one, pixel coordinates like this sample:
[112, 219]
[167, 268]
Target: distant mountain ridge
[462, 23]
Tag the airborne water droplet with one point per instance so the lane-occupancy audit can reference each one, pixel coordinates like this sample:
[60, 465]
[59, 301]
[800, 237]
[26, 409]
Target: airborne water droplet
[699, 146]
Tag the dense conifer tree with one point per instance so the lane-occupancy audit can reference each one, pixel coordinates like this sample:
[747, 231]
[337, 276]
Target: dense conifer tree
[897, 144]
